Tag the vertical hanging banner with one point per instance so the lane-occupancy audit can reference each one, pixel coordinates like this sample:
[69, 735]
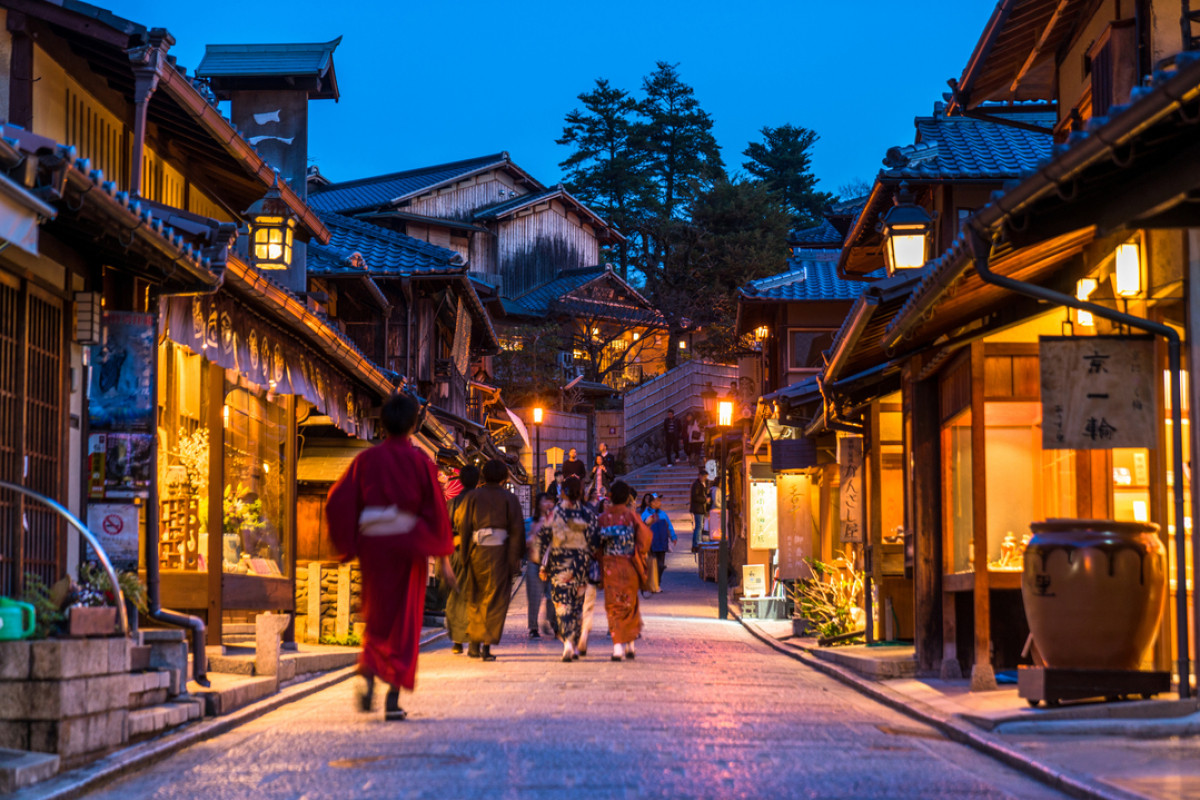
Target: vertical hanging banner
[461, 348]
[1097, 392]
[850, 469]
[795, 526]
[764, 516]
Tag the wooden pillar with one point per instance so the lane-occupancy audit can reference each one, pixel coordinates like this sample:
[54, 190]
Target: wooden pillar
[983, 677]
[215, 388]
[20, 70]
[1191, 362]
[290, 502]
[923, 517]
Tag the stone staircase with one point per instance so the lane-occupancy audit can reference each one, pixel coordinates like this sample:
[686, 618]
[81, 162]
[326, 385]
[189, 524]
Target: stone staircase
[674, 484]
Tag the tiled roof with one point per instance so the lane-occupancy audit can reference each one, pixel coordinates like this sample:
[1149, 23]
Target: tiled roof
[559, 192]
[383, 251]
[267, 59]
[820, 235]
[538, 300]
[949, 148]
[371, 193]
[552, 297]
[806, 279]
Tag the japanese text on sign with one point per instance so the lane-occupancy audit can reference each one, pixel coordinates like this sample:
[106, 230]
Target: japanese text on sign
[764, 526]
[850, 467]
[1097, 392]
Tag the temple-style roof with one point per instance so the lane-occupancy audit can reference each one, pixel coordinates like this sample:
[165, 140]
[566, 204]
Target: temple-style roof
[823, 235]
[381, 251]
[963, 148]
[258, 66]
[568, 293]
[370, 194]
[808, 278]
[513, 205]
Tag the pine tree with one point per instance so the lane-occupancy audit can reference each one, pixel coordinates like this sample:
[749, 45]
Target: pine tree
[783, 162]
[682, 154]
[606, 169]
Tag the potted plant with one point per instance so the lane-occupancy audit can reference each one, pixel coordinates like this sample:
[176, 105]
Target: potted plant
[829, 604]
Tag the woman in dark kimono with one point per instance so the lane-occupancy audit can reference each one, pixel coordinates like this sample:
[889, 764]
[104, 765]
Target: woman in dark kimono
[566, 541]
[388, 510]
[492, 538]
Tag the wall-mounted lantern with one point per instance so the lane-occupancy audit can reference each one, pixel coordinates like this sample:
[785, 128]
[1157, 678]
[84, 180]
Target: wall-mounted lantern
[1129, 270]
[88, 308]
[907, 231]
[272, 229]
[1083, 290]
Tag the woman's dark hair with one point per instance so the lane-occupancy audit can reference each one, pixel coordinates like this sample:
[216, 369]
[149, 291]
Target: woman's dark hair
[620, 493]
[468, 476]
[537, 503]
[573, 488]
[599, 459]
[399, 414]
[495, 471]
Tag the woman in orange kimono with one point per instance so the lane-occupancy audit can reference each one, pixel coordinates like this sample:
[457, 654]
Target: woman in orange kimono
[388, 510]
[624, 541]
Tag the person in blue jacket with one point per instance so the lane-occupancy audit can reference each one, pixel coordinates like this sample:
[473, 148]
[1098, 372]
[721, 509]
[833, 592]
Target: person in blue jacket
[663, 532]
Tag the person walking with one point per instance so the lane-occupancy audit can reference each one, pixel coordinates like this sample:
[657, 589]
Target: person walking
[456, 604]
[388, 510]
[620, 534]
[661, 530]
[610, 461]
[671, 431]
[536, 594]
[599, 479]
[694, 440]
[492, 528]
[573, 466]
[555, 488]
[698, 505]
[566, 542]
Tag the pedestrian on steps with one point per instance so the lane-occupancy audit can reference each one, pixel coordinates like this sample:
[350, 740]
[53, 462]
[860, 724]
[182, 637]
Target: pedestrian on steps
[492, 528]
[566, 543]
[456, 604]
[388, 509]
[621, 535]
[671, 430]
[698, 505]
[661, 530]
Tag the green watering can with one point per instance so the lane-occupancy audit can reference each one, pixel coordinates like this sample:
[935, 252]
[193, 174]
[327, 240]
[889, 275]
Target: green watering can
[11, 623]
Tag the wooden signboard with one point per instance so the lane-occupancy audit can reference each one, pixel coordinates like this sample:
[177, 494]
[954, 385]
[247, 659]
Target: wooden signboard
[754, 580]
[764, 516]
[1097, 392]
[795, 526]
[850, 468]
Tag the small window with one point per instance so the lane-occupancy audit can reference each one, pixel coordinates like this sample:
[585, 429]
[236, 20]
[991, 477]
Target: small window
[805, 346]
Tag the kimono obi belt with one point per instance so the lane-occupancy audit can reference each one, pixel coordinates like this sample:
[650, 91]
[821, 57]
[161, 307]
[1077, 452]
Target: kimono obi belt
[491, 537]
[389, 521]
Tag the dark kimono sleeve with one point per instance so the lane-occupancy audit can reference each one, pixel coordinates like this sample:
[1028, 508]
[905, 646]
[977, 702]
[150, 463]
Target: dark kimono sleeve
[342, 509]
[516, 532]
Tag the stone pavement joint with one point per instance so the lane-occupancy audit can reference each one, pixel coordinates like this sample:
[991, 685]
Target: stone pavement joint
[1076, 785]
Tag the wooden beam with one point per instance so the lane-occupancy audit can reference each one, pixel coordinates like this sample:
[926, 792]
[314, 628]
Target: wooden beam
[983, 676]
[1041, 43]
[20, 70]
[215, 389]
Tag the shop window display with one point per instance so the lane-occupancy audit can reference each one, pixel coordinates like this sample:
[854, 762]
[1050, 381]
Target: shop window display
[255, 493]
[183, 463]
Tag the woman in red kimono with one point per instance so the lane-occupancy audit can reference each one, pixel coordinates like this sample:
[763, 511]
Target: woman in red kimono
[388, 510]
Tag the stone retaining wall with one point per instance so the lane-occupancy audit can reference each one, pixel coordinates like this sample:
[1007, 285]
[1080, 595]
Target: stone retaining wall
[329, 592]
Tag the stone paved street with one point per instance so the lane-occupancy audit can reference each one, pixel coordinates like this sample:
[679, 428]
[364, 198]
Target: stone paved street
[704, 711]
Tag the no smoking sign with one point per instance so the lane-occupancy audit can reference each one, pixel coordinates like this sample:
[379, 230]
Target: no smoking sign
[112, 525]
[116, 526]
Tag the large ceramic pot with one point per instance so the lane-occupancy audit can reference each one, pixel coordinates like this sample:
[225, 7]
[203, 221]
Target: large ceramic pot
[1094, 591]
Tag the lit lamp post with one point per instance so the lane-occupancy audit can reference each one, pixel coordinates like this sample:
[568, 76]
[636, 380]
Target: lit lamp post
[537, 449]
[906, 229]
[724, 421]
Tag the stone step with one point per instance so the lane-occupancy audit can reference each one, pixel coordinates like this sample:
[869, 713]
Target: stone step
[145, 722]
[20, 768]
[148, 688]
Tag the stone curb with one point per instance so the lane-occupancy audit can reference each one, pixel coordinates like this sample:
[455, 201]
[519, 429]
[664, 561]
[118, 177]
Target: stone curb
[1069, 783]
[85, 779]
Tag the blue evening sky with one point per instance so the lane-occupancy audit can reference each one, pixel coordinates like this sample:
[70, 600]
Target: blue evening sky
[426, 83]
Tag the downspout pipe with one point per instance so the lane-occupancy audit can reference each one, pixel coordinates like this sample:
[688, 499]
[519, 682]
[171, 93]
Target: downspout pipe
[981, 247]
[153, 583]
